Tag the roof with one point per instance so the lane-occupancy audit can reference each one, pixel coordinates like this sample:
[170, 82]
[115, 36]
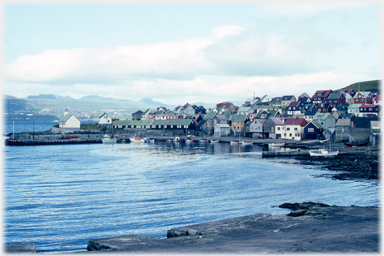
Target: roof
[317, 124]
[244, 109]
[276, 120]
[343, 122]
[324, 93]
[294, 104]
[201, 123]
[287, 97]
[377, 98]
[293, 121]
[334, 96]
[66, 117]
[368, 106]
[224, 105]
[210, 115]
[310, 113]
[362, 122]
[238, 118]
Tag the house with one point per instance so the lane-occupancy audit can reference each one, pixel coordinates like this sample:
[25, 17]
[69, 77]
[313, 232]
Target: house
[309, 115]
[327, 120]
[266, 98]
[325, 107]
[276, 102]
[335, 99]
[256, 128]
[202, 128]
[286, 99]
[105, 119]
[329, 134]
[369, 110]
[187, 109]
[354, 109]
[343, 129]
[270, 127]
[313, 131]
[238, 124]
[320, 96]
[221, 125]
[180, 125]
[294, 108]
[377, 100]
[245, 110]
[69, 121]
[137, 115]
[347, 92]
[363, 98]
[293, 128]
[305, 97]
[361, 128]
[209, 121]
[268, 113]
[226, 106]
[375, 133]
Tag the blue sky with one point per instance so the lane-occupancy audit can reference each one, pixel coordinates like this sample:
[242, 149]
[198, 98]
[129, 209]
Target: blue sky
[178, 53]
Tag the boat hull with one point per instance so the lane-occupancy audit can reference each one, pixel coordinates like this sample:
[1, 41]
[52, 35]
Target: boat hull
[323, 153]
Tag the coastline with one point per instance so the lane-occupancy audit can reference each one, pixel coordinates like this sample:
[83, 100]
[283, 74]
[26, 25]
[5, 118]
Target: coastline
[136, 242]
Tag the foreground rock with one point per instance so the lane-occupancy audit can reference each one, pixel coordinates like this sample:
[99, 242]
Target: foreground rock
[316, 228]
[20, 248]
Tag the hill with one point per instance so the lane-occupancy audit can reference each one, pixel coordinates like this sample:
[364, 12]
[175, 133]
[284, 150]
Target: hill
[362, 86]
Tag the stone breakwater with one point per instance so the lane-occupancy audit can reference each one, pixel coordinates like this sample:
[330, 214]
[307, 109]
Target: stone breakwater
[309, 228]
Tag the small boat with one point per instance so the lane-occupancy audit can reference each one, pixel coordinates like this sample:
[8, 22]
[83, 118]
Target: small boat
[203, 141]
[277, 144]
[134, 139]
[234, 142]
[246, 143]
[149, 140]
[323, 152]
[188, 140]
[214, 141]
[177, 139]
[355, 144]
[108, 139]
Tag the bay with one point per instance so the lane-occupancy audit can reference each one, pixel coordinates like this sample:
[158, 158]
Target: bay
[61, 196]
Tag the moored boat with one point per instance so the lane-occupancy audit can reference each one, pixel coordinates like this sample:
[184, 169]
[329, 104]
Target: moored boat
[246, 143]
[108, 140]
[355, 144]
[323, 152]
[214, 141]
[277, 144]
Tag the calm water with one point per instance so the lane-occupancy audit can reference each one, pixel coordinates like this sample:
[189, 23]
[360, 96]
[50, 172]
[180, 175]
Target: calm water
[59, 197]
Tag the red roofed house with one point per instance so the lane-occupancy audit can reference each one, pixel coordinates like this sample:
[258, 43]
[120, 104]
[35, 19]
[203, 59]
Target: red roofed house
[293, 129]
[369, 110]
[227, 106]
[320, 96]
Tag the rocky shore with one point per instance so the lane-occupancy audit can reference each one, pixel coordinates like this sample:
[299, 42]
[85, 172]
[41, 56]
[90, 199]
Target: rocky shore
[309, 228]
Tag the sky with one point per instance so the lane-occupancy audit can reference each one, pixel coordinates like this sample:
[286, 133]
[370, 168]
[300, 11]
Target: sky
[189, 52]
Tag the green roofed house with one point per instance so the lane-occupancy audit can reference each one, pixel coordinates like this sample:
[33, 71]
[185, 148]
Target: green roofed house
[238, 123]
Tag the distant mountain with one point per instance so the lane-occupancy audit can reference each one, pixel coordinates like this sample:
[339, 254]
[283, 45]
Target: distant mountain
[42, 96]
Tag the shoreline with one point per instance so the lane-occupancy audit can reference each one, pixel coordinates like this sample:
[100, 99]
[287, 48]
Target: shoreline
[309, 228]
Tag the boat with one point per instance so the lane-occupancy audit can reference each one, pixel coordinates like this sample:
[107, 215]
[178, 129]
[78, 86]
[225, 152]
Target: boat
[177, 139]
[323, 152]
[134, 139]
[234, 142]
[148, 140]
[355, 144]
[188, 140]
[108, 140]
[277, 144]
[203, 141]
[246, 143]
[214, 141]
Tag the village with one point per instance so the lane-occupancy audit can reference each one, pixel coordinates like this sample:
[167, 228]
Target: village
[343, 116]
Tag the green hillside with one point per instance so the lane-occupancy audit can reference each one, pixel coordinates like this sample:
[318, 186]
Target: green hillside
[362, 86]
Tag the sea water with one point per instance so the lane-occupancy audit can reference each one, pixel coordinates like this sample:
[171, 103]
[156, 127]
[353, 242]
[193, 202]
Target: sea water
[61, 196]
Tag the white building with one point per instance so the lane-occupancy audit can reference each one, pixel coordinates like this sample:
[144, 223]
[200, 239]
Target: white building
[105, 119]
[69, 121]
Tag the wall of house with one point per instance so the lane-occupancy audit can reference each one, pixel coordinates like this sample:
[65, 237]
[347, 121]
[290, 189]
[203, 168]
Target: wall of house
[360, 134]
[342, 133]
[72, 122]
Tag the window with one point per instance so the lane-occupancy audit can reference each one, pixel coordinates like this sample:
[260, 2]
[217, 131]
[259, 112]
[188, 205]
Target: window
[311, 129]
[295, 129]
[288, 129]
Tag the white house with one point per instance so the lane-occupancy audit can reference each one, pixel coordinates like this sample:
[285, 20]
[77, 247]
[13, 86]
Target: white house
[69, 121]
[105, 119]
